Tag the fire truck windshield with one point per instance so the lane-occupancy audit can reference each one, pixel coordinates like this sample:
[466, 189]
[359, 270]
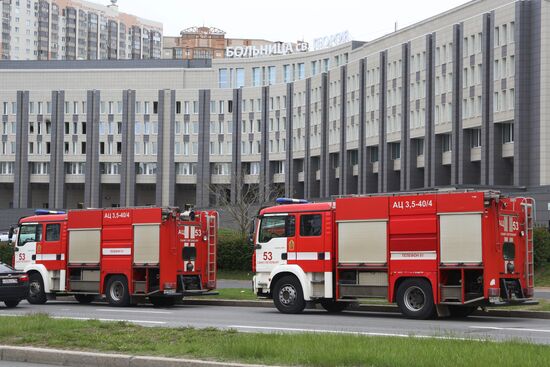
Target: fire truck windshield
[275, 227]
[29, 233]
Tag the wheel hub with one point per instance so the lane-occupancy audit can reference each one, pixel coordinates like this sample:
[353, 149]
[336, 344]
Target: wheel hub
[414, 298]
[287, 294]
[34, 288]
[117, 291]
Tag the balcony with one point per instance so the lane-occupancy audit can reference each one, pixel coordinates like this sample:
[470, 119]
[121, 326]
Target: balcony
[112, 179]
[355, 169]
[397, 164]
[508, 150]
[186, 179]
[279, 178]
[251, 179]
[220, 179]
[420, 161]
[301, 176]
[446, 158]
[375, 166]
[475, 154]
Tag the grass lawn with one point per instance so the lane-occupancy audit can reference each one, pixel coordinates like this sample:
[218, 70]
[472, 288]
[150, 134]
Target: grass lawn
[542, 276]
[242, 294]
[234, 274]
[287, 349]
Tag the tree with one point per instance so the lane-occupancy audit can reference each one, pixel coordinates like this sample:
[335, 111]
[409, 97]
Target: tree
[244, 207]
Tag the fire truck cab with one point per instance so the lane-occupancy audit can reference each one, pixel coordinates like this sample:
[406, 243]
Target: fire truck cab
[445, 252]
[127, 255]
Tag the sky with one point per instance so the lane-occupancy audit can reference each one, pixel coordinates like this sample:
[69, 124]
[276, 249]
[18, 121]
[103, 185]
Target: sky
[287, 20]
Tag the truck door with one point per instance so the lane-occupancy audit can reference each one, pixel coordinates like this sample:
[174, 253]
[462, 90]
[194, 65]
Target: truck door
[271, 243]
[25, 252]
[310, 249]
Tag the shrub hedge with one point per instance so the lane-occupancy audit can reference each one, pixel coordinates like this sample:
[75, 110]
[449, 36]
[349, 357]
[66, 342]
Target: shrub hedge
[6, 253]
[541, 244]
[234, 253]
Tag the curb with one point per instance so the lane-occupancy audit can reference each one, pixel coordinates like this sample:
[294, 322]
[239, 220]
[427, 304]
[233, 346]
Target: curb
[370, 308]
[88, 359]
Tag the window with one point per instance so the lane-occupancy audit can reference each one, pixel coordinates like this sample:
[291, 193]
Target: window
[276, 227]
[256, 77]
[310, 225]
[52, 232]
[446, 143]
[395, 151]
[223, 80]
[239, 80]
[475, 138]
[507, 133]
[29, 233]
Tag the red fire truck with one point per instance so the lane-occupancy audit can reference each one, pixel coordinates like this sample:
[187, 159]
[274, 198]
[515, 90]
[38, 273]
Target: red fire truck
[125, 254]
[433, 252]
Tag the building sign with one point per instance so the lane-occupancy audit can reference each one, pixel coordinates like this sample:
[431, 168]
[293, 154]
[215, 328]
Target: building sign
[331, 41]
[278, 48]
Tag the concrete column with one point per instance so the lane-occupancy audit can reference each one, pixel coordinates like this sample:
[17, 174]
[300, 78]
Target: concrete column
[432, 146]
[266, 176]
[487, 93]
[128, 167]
[166, 175]
[21, 191]
[92, 184]
[527, 106]
[291, 175]
[382, 145]
[203, 158]
[309, 171]
[361, 146]
[407, 163]
[57, 170]
[343, 154]
[236, 164]
[324, 158]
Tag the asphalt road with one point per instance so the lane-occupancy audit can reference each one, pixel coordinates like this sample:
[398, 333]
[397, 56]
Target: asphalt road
[23, 364]
[269, 320]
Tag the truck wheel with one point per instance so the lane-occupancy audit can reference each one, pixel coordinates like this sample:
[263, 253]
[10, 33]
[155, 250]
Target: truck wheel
[36, 296]
[162, 301]
[117, 291]
[415, 299]
[333, 306]
[288, 295]
[11, 304]
[84, 298]
[459, 312]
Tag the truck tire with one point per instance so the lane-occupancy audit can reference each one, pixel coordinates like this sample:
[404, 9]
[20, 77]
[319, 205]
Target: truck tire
[163, 301]
[84, 298]
[332, 306]
[11, 304]
[459, 312]
[288, 295]
[36, 296]
[415, 299]
[117, 293]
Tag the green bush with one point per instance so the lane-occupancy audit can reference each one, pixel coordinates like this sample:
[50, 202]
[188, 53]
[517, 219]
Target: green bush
[541, 244]
[6, 253]
[234, 253]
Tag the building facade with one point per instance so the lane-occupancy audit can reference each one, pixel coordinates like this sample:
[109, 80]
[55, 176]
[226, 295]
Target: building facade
[455, 100]
[206, 43]
[75, 30]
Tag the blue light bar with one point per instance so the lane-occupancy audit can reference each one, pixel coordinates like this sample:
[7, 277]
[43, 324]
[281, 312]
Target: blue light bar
[283, 201]
[47, 212]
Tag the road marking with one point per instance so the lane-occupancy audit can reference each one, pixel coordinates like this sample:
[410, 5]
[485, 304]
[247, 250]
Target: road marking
[131, 311]
[509, 329]
[365, 333]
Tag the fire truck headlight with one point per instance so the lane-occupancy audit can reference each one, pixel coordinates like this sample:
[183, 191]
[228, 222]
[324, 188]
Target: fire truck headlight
[510, 267]
[189, 267]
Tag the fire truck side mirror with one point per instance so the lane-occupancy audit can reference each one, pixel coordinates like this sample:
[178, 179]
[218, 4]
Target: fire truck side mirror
[10, 234]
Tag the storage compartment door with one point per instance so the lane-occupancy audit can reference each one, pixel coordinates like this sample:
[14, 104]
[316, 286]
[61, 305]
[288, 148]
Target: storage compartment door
[362, 242]
[146, 244]
[460, 236]
[84, 246]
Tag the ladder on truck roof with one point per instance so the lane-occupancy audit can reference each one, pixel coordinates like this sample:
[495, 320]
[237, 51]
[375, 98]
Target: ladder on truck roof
[529, 214]
[212, 228]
